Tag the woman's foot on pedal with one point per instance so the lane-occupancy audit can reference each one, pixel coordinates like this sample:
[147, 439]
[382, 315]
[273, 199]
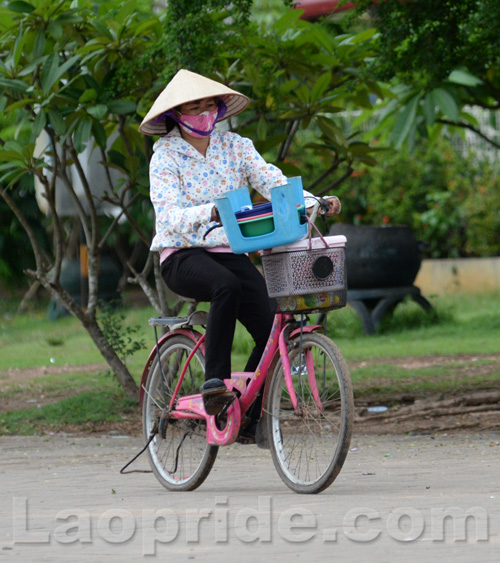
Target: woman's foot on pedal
[215, 396]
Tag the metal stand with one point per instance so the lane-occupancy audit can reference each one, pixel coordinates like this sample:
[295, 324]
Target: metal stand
[372, 304]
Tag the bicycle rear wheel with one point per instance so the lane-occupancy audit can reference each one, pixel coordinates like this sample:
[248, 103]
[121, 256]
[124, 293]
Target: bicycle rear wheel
[179, 454]
[309, 444]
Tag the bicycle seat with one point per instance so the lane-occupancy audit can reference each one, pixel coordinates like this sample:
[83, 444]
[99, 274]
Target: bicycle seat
[196, 318]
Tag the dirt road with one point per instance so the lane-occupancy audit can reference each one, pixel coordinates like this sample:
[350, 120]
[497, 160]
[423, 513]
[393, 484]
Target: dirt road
[398, 498]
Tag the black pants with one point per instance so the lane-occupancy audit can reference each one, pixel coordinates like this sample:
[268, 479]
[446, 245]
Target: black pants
[236, 291]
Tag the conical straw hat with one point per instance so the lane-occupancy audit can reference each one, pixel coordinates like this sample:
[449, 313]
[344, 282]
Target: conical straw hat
[187, 86]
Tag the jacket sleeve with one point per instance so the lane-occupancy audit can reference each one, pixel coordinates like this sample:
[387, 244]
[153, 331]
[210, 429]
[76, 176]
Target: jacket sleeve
[166, 194]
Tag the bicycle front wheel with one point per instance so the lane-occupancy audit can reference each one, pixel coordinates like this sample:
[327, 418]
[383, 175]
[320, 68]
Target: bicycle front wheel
[309, 442]
[178, 453]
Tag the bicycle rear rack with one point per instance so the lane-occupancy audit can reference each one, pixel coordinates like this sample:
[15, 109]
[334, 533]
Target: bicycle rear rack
[196, 318]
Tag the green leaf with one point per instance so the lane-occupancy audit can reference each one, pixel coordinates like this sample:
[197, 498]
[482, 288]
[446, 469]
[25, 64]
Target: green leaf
[57, 121]
[68, 64]
[17, 169]
[39, 45]
[18, 46]
[8, 156]
[88, 96]
[49, 72]
[70, 16]
[99, 134]
[288, 86]
[289, 20]
[52, 72]
[405, 121]
[320, 86]
[145, 26]
[17, 85]
[368, 160]
[122, 106]
[21, 7]
[29, 69]
[14, 146]
[103, 29]
[303, 93]
[446, 103]
[464, 78]
[331, 132]
[269, 142]
[20, 104]
[98, 111]
[55, 29]
[363, 36]
[262, 128]
[39, 123]
[429, 111]
[82, 134]
[435, 133]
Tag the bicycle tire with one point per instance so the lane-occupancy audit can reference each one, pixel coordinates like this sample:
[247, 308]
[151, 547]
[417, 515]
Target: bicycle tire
[178, 454]
[309, 445]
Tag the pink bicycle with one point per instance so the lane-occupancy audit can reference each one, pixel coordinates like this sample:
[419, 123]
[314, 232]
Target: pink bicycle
[308, 407]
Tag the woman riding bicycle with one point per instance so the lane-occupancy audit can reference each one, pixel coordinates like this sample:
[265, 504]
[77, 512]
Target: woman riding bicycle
[191, 166]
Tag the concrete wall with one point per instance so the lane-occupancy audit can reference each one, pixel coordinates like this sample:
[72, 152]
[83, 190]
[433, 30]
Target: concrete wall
[464, 275]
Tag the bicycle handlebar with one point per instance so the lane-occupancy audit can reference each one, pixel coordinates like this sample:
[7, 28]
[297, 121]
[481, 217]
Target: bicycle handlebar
[321, 208]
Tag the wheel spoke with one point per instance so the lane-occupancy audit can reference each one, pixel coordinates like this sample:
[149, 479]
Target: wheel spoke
[179, 454]
[309, 445]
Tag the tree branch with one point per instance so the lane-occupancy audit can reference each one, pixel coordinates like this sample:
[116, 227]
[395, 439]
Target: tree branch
[123, 135]
[471, 127]
[41, 259]
[324, 174]
[141, 280]
[333, 185]
[285, 147]
[92, 243]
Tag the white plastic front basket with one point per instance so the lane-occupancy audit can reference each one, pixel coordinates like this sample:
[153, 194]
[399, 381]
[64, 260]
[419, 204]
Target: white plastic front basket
[303, 279]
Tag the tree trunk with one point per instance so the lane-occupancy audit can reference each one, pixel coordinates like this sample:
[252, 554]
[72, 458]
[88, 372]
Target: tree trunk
[88, 320]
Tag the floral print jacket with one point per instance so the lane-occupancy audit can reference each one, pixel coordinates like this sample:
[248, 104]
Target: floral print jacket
[184, 185]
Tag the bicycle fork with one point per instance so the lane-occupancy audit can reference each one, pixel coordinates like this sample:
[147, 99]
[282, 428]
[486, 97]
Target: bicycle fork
[308, 364]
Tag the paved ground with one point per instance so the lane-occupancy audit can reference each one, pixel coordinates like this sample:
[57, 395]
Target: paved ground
[398, 498]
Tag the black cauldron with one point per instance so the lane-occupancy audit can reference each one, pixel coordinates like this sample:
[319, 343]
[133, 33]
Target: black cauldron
[376, 257]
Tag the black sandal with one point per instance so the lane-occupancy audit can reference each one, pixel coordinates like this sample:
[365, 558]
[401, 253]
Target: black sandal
[216, 396]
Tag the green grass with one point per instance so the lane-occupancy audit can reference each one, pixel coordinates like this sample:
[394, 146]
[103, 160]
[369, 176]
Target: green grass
[465, 324]
[462, 325]
[87, 408]
[387, 381]
[32, 340]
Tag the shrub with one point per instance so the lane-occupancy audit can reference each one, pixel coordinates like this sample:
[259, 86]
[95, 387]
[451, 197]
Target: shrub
[450, 201]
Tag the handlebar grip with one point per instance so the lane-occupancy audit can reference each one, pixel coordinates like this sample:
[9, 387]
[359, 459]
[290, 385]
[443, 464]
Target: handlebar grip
[324, 205]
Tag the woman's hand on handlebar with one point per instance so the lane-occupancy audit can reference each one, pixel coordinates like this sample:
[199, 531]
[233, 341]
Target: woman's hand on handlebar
[334, 206]
[327, 206]
[215, 214]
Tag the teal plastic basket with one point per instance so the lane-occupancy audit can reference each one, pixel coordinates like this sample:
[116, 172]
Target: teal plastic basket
[288, 226]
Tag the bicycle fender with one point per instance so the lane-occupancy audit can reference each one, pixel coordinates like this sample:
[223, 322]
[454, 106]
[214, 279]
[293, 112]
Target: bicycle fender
[193, 335]
[283, 345]
[308, 329]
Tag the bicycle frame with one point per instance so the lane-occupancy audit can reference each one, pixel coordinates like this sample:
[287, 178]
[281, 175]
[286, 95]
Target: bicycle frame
[246, 384]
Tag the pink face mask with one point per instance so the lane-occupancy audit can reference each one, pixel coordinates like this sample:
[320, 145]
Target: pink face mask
[200, 125]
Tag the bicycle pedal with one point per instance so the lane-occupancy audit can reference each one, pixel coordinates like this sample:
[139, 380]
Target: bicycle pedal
[245, 440]
[217, 403]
